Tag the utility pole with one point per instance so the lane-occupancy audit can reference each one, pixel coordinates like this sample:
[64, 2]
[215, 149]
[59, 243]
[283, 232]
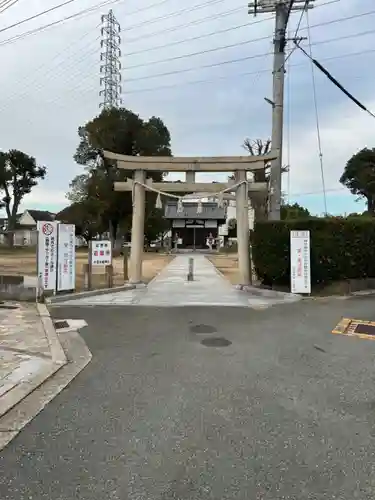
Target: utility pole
[282, 9]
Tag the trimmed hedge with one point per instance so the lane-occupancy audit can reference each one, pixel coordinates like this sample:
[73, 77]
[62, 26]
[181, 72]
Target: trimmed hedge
[341, 249]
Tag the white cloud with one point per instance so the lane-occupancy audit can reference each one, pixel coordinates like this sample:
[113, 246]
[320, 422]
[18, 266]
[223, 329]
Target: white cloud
[344, 130]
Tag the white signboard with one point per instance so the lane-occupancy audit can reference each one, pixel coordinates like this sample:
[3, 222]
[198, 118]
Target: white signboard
[251, 219]
[300, 275]
[223, 230]
[66, 266]
[178, 223]
[101, 253]
[47, 254]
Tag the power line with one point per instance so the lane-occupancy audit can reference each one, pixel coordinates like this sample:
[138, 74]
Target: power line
[237, 75]
[189, 24]
[203, 66]
[67, 2]
[226, 30]
[238, 44]
[205, 19]
[310, 193]
[175, 13]
[7, 4]
[35, 16]
[207, 51]
[87, 11]
[305, 9]
[320, 151]
[194, 38]
[92, 9]
[336, 82]
[222, 63]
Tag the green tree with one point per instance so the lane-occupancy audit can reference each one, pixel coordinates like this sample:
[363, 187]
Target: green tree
[19, 173]
[84, 215]
[359, 177]
[124, 132]
[295, 211]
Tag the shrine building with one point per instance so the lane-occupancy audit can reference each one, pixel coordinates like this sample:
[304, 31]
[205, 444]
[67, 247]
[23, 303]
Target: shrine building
[192, 227]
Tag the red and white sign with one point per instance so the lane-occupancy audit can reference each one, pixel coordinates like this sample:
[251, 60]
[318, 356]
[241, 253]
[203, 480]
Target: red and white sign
[66, 267]
[101, 253]
[47, 255]
[300, 273]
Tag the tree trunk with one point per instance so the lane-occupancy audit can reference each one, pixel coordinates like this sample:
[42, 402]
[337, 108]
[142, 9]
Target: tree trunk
[261, 203]
[371, 205]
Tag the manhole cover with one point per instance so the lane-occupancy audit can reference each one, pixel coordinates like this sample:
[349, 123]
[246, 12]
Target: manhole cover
[363, 329]
[216, 342]
[61, 324]
[202, 329]
[4, 306]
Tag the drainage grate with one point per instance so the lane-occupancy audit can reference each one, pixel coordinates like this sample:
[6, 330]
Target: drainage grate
[61, 324]
[202, 329]
[216, 342]
[364, 329]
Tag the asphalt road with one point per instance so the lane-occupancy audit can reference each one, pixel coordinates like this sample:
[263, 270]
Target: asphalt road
[287, 411]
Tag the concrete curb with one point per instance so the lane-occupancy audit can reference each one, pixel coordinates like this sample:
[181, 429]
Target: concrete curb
[20, 391]
[91, 293]
[363, 293]
[58, 354]
[269, 294]
[20, 415]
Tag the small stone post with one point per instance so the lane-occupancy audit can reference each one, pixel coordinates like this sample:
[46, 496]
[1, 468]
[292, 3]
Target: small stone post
[109, 275]
[190, 276]
[126, 267]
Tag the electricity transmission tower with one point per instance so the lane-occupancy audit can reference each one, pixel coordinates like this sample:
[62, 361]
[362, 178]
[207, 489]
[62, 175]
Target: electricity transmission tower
[282, 9]
[110, 67]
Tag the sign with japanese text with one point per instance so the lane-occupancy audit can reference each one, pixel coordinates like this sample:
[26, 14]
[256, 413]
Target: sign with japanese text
[101, 253]
[66, 267]
[300, 274]
[47, 255]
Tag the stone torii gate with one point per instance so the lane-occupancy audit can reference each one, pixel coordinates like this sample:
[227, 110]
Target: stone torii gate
[240, 165]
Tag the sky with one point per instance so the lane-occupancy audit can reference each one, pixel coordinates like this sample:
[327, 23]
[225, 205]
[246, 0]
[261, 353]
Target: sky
[210, 101]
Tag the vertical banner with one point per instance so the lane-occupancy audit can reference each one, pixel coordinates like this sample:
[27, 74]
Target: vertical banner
[47, 255]
[66, 269]
[300, 274]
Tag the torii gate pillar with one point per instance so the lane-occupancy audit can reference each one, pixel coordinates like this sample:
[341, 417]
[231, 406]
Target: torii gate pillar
[138, 224]
[243, 232]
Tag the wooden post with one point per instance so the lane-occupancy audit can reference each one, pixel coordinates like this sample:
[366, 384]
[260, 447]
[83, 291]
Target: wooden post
[87, 277]
[87, 270]
[126, 267]
[109, 275]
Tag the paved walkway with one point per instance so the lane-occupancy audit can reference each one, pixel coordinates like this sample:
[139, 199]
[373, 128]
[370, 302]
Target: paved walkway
[25, 353]
[171, 289]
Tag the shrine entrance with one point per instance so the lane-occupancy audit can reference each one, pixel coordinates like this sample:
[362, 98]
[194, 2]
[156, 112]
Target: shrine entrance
[241, 186]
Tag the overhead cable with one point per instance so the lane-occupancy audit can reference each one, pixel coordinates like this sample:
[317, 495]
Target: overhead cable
[336, 82]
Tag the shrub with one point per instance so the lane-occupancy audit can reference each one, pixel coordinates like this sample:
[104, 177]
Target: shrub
[341, 249]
